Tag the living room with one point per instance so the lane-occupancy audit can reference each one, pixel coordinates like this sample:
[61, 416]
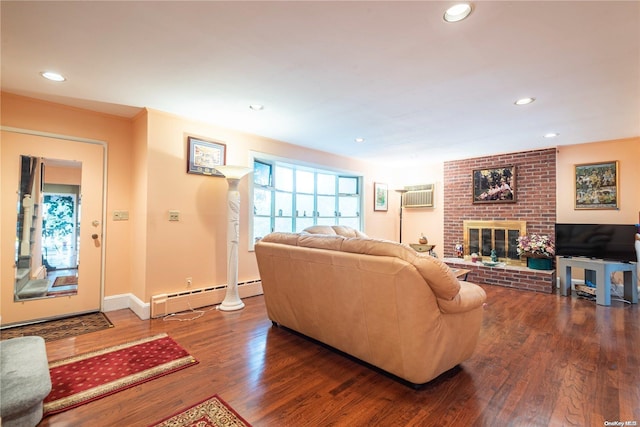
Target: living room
[144, 156]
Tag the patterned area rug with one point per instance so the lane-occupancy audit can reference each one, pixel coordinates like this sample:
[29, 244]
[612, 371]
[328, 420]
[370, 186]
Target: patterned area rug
[212, 412]
[65, 281]
[61, 328]
[91, 376]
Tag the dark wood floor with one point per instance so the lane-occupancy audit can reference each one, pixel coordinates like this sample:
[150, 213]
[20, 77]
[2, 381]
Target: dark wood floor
[542, 360]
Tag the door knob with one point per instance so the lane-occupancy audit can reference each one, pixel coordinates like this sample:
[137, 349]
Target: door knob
[94, 236]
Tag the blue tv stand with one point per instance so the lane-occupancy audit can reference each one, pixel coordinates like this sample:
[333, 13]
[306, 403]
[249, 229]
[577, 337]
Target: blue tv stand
[598, 271]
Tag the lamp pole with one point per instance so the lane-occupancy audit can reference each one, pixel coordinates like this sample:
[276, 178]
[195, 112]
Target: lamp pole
[233, 174]
[402, 191]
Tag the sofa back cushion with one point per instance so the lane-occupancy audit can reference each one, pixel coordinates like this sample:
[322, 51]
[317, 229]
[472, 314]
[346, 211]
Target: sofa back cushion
[437, 274]
[340, 230]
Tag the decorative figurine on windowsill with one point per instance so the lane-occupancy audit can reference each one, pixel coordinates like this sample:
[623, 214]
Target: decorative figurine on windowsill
[494, 256]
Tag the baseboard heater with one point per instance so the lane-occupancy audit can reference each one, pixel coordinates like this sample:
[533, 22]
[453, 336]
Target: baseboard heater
[164, 304]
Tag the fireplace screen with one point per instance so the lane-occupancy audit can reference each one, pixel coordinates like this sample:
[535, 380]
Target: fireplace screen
[481, 237]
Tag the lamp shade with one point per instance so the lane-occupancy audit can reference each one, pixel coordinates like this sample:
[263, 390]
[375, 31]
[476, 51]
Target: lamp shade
[233, 172]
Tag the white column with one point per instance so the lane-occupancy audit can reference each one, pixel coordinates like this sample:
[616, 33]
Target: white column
[233, 174]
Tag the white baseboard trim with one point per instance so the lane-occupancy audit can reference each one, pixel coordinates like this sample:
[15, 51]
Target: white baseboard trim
[130, 301]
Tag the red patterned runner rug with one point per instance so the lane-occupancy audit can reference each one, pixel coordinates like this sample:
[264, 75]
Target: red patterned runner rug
[87, 377]
[211, 412]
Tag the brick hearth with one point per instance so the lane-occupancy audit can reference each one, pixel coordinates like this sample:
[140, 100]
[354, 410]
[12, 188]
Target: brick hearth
[508, 276]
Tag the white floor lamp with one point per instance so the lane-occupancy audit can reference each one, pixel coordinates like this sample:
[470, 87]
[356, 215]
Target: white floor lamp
[233, 174]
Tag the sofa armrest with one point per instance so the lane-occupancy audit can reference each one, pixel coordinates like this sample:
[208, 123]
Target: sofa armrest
[471, 296]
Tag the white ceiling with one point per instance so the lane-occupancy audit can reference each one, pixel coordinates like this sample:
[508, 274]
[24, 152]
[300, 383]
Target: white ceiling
[417, 88]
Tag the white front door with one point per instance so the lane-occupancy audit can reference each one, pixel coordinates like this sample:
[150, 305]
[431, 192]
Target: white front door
[90, 226]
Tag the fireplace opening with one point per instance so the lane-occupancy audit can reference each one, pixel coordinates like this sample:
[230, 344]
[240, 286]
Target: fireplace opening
[480, 237]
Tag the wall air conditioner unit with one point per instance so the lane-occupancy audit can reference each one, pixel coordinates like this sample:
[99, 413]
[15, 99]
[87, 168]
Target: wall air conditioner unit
[418, 196]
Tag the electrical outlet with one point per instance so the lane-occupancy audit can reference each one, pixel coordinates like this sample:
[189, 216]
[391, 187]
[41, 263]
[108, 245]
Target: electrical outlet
[174, 215]
[189, 281]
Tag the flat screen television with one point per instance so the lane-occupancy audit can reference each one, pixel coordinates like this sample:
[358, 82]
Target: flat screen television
[611, 242]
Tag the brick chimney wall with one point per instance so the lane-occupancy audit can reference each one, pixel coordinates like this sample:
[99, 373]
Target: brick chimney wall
[535, 188]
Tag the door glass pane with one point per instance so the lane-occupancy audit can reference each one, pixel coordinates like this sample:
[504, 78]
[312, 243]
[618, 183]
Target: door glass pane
[499, 236]
[261, 226]
[348, 206]
[304, 205]
[513, 244]
[486, 242]
[347, 185]
[474, 241]
[283, 204]
[326, 184]
[284, 178]
[304, 182]
[326, 205]
[262, 202]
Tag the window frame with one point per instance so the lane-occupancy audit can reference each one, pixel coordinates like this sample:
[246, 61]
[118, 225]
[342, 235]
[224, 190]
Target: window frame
[296, 165]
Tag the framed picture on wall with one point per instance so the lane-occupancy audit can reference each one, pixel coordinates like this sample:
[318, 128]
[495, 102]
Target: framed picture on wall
[380, 196]
[204, 156]
[494, 185]
[596, 186]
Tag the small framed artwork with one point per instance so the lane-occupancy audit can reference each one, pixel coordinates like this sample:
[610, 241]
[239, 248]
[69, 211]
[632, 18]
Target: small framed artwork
[596, 186]
[380, 194]
[204, 156]
[494, 185]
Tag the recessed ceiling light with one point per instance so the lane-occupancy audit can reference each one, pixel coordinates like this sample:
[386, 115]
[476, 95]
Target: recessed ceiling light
[457, 12]
[359, 140]
[551, 134]
[256, 107]
[524, 101]
[50, 75]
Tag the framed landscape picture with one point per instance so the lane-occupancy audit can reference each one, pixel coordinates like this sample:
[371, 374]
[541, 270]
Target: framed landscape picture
[596, 186]
[380, 194]
[204, 156]
[494, 185]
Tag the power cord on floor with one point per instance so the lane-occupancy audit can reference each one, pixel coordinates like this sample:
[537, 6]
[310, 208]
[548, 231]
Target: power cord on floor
[175, 316]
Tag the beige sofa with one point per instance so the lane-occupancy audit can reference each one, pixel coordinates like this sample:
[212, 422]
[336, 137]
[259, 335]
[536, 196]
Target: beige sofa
[379, 301]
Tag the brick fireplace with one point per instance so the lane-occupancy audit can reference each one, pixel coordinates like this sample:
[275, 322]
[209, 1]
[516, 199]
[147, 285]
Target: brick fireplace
[535, 205]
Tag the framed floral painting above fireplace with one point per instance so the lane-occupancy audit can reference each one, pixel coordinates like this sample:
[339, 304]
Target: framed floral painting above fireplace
[494, 185]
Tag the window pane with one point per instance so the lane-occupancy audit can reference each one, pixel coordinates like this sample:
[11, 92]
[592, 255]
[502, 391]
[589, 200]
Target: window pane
[261, 226]
[326, 184]
[326, 221]
[304, 182]
[326, 205]
[347, 185]
[261, 202]
[350, 222]
[261, 173]
[283, 204]
[304, 205]
[284, 178]
[348, 206]
[283, 224]
[302, 223]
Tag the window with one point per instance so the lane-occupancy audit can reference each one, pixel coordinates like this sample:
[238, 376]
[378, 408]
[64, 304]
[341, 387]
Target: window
[289, 197]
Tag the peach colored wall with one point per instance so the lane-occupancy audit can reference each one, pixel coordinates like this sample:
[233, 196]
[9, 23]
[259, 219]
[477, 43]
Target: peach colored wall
[627, 153]
[147, 254]
[196, 245]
